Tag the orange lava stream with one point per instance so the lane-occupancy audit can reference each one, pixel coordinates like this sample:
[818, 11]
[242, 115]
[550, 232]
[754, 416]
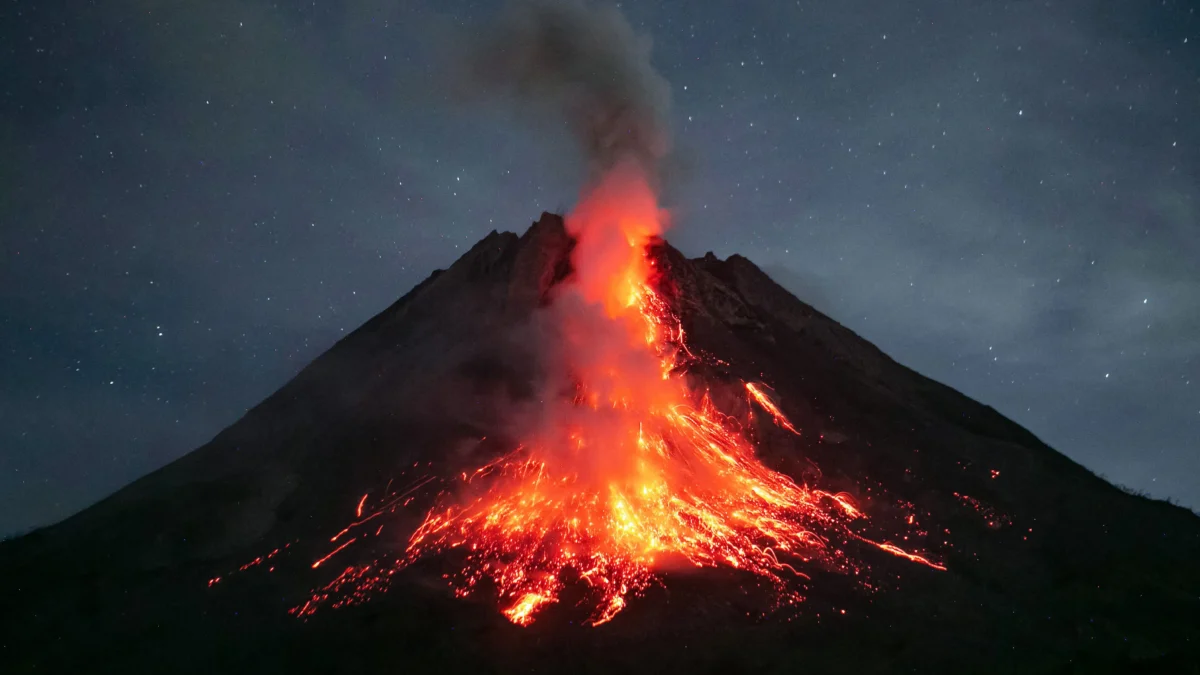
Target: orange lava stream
[767, 404]
[636, 472]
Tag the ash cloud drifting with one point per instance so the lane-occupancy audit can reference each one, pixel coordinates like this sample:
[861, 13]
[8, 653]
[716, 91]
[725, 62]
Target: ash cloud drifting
[586, 63]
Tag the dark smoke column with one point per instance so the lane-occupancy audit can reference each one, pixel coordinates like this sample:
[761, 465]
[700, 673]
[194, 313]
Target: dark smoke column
[586, 63]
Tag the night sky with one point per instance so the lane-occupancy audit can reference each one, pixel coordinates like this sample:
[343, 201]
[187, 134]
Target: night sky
[196, 199]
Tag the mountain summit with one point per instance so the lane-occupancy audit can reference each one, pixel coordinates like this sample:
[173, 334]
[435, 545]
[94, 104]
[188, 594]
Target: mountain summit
[338, 525]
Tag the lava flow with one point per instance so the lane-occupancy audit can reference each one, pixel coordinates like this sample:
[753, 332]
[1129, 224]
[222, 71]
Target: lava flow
[633, 470]
[627, 471]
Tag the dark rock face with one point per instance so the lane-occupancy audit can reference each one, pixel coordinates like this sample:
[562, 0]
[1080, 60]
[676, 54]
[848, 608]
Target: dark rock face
[1050, 568]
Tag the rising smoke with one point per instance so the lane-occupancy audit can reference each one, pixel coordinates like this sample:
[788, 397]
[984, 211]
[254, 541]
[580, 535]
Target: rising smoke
[586, 63]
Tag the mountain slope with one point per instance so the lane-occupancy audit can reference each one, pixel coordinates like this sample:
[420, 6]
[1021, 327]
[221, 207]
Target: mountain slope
[1050, 569]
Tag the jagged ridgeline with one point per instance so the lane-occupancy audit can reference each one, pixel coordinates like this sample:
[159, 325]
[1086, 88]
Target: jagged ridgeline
[1037, 565]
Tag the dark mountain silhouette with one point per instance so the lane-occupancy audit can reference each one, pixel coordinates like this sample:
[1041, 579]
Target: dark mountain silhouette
[1050, 568]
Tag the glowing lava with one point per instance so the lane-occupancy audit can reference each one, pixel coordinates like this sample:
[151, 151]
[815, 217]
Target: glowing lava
[632, 469]
[626, 471]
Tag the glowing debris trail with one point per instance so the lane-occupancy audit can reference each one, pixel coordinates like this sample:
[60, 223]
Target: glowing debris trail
[896, 550]
[332, 553]
[769, 405]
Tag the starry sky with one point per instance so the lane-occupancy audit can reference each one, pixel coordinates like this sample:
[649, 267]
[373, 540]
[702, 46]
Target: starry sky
[196, 199]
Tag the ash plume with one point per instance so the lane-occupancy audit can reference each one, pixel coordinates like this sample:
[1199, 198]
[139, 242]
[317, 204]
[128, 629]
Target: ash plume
[586, 63]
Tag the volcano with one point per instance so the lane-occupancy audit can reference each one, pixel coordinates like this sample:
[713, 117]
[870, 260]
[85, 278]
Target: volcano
[761, 490]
